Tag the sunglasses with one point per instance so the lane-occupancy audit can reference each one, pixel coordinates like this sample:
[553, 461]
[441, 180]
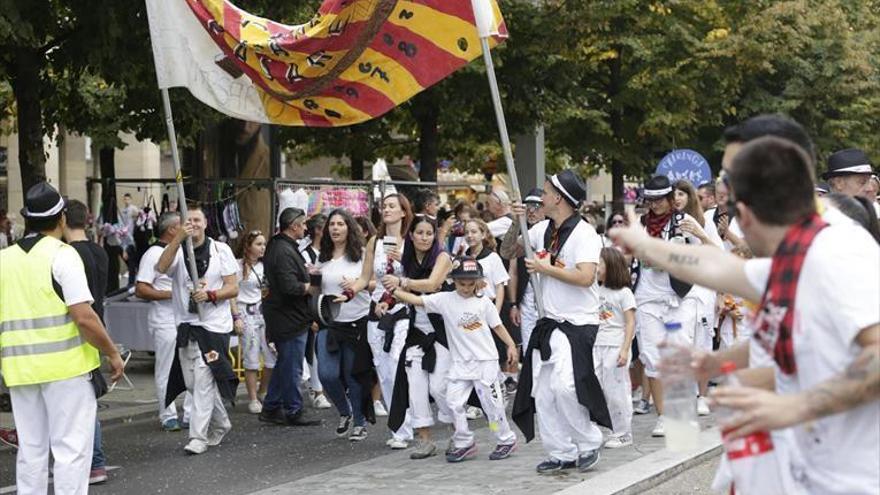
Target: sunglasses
[533, 207]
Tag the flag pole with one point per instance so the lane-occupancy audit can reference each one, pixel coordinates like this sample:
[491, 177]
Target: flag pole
[508, 160]
[181, 196]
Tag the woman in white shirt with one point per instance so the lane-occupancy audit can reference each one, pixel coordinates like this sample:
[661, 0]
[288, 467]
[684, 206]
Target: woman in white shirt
[337, 344]
[247, 318]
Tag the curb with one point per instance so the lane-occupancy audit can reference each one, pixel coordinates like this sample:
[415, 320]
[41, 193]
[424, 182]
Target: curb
[650, 470]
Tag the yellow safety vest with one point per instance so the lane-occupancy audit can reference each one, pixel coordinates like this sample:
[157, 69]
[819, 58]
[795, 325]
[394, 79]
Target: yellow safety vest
[39, 342]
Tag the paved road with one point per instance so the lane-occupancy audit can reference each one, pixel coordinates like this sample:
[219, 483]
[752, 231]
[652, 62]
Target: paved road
[694, 481]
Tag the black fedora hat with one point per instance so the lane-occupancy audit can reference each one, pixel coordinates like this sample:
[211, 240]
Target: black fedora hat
[466, 267]
[570, 186]
[324, 308]
[534, 196]
[847, 162]
[658, 187]
[42, 201]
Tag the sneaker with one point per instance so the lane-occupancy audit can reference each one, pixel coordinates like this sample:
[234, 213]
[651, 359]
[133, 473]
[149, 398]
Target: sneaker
[196, 447]
[254, 407]
[510, 385]
[380, 409]
[320, 402]
[184, 424]
[358, 433]
[8, 436]
[658, 430]
[97, 475]
[553, 466]
[274, 416]
[461, 454]
[702, 407]
[216, 436]
[171, 425]
[423, 450]
[502, 452]
[397, 444]
[473, 413]
[642, 407]
[586, 461]
[301, 419]
[619, 442]
[450, 446]
[344, 427]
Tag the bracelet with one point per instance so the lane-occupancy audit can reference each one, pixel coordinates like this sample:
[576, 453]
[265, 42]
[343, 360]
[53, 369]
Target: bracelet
[212, 296]
[349, 294]
[404, 282]
[514, 305]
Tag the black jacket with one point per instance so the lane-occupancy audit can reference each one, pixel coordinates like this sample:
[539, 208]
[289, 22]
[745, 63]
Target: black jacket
[286, 308]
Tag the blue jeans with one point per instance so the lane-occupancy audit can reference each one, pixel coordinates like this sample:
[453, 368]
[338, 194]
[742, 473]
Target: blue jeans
[332, 367]
[283, 389]
[98, 459]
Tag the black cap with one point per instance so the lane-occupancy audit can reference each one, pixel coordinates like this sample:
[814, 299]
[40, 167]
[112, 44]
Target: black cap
[847, 162]
[534, 196]
[466, 267]
[324, 309]
[570, 185]
[822, 188]
[42, 201]
[658, 186]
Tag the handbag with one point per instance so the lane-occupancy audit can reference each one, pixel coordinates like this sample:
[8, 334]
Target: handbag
[99, 383]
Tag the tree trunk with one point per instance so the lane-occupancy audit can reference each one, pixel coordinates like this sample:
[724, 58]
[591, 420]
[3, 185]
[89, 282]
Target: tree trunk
[357, 158]
[26, 88]
[616, 121]
[107, 161]
[426, 111]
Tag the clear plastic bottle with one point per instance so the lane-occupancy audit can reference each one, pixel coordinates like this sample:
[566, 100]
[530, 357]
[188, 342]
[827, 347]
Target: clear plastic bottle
[679, 396]
[752, 459]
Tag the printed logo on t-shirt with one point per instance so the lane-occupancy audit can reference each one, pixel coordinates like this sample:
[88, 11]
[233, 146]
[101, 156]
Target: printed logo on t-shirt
[470, 322]
[605, 312]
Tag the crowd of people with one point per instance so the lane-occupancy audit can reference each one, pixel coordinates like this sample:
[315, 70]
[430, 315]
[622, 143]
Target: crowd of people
[763, 268]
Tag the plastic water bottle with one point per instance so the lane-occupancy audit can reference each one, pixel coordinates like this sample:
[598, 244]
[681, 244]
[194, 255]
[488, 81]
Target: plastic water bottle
[752, 459]
[679, 396]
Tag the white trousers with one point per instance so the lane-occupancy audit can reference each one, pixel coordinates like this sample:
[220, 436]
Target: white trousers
[492, 401]
[564, 424]
[529, 315]
[208, 412]
[57, 416]
[386, 364]
[650, 320]
[422, 383]
[616, 387]
[254, 344]
[164, 346]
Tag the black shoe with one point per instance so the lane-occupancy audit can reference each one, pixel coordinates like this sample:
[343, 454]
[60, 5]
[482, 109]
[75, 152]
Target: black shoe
[588, 460]
[552, 466]
[274, 416]
[301, 419]
[344, 427]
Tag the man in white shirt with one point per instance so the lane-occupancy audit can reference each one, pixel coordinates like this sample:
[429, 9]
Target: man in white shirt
[499, 206]
[204, 322]
[819, 321]
[156, 287]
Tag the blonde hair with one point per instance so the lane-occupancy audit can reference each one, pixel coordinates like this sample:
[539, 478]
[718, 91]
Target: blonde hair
[488, 240]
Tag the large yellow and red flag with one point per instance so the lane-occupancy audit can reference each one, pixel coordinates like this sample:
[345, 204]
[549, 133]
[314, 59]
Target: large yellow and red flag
[352, 62]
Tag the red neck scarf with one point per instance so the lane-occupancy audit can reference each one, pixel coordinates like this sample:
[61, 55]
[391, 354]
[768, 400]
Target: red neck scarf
[774, 320]
[656, 223]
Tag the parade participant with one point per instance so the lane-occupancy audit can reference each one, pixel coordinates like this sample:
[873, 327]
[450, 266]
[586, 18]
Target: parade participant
[469, 318]
[247, 317]
[859, 209]
[818, 321]
[611, 352]
[558, 379]
[706, 192]
[849, 172]
[481, 245]
[386, 330]
[455, 241]
[287, 316]
[156, 288]
[343, 355]
[498, 205]
[49, 342]
[422, 373]
[201, 366]
[314, 233]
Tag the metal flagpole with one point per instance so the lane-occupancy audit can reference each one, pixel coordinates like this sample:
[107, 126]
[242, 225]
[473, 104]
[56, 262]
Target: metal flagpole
[181, 196]
[508, 159]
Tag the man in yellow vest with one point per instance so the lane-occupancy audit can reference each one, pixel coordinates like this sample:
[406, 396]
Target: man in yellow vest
[49, 342]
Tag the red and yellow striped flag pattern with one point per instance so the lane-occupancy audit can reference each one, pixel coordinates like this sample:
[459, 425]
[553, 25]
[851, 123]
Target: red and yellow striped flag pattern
[354, 61]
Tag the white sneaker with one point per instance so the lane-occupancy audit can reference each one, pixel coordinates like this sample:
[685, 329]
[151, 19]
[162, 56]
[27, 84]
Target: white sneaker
[702, 407]
[216, 436]
[619, 442]
[380, 409]
[397, 444]
[196, 447]
[659, 430]
[255, 407]
[473, 412]
[321, 402]
[641, 407]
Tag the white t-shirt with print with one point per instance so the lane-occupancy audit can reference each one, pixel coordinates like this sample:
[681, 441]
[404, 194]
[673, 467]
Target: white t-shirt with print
[563, 301]
[654, 284]
[380, 269]
[493, 273]
[468, 324]
[332, 273]
[612, 324]
[249, 290]
[218, 318]
[161, 312]
[838, 295]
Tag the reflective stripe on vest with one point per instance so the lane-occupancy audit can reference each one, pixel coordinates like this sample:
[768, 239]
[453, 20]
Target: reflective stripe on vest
[39, 341]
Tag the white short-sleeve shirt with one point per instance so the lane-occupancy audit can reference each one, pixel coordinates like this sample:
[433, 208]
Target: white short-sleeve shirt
[70, 273]
[161, 312]
[838, 295]
[218, 317]
[562, 301]
[499, 226]
[250, 290]
[332, 273]
[468, 324]
[494, 274]
[612, 323]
